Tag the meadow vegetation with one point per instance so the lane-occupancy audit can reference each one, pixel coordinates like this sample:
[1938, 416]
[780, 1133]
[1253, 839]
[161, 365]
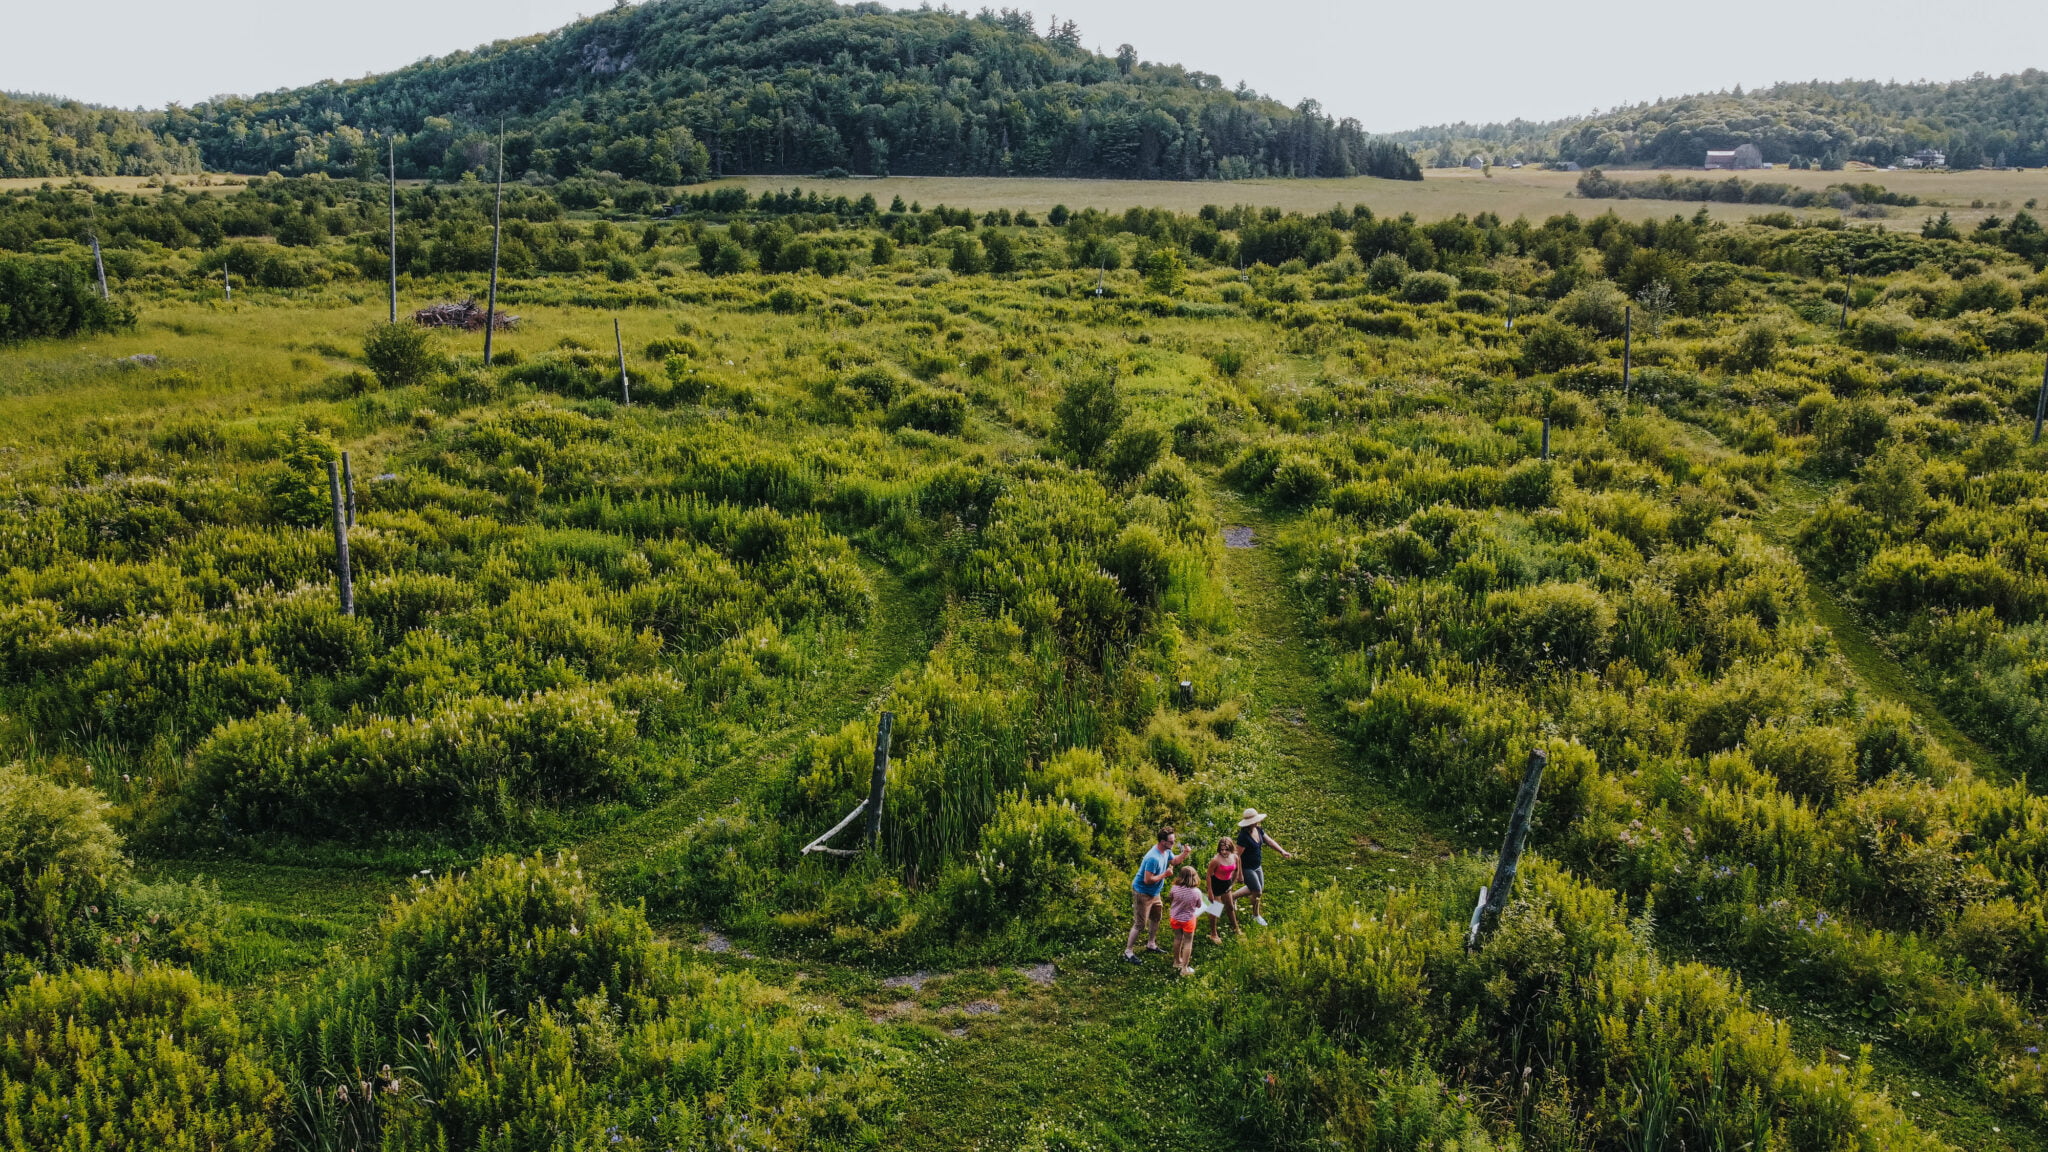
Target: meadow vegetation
[636, 628]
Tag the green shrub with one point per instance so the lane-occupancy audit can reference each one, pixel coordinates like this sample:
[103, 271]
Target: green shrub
[1428, 287]
[1132, 450]
[59, 865]
[303, 494]
[401, 354]
[1300, 480]
[1597, 307]
[143, 1060]
[939, 410]
[1560, 625]
[53, 297]
[1548, 346]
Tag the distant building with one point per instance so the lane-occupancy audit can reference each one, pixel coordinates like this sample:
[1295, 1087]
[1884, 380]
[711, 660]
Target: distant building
[1475, 161]
[1925, 158]
[1744, 157]
[1567, 166]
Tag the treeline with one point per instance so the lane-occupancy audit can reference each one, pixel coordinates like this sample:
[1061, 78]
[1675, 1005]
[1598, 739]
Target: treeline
[680, 90]
[1983, 121]
[1598, 185]
[44, 137]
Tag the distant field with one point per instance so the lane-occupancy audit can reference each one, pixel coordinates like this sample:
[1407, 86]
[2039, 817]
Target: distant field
[221, 183]
[1527, 192]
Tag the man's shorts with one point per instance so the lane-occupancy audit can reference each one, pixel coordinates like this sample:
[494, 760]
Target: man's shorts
[1255, 879]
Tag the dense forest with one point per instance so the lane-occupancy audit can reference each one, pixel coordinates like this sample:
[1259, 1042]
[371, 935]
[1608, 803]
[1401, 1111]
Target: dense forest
[1983, 121]
[44, 136]
[1659, 499]
[681, 90]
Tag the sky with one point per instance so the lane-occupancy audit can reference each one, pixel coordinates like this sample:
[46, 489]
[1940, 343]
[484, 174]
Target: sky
[1392, 66]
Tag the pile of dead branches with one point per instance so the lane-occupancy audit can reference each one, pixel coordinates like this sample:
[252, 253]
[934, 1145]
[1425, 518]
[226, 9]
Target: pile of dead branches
[468, 316]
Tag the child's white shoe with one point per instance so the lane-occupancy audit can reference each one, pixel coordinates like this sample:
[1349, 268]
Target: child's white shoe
[1259, 920]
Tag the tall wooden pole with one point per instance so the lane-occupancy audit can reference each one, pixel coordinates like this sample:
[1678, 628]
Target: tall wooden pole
[497, 220]
[341, 565]
[625, 385]
[880, 782]
[1503, 884]
[1848, 286]
[1546, 437]
[1628, 339]
[227, 290]
[100, 266]
[392, 159]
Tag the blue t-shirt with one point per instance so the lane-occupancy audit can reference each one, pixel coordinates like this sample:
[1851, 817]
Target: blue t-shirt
[1158, 861]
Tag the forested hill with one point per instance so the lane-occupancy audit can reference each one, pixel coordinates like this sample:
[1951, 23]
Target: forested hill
[1985, 120]
[44, 136]
[676, 90]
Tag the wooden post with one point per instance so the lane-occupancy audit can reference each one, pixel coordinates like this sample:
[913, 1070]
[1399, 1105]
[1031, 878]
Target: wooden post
[341, 566]
[100, 265]
[1546, 437]
[1848, 286]
[1498, 892]
[881, 779]
[392, 159]
[227, 290]
[497, 221]
[1628, 336]
[348, 490]
[2041, 405]
[625, 385]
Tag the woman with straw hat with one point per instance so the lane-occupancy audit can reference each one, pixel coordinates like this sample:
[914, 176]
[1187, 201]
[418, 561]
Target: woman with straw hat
[1252, 841]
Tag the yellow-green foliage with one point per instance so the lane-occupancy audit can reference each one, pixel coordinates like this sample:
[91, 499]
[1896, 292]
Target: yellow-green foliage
[59, 864]
[513, 1004]
[128, 1061]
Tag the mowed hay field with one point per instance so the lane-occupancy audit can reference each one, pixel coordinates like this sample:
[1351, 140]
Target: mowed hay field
[1442, 192]
[1967, 196]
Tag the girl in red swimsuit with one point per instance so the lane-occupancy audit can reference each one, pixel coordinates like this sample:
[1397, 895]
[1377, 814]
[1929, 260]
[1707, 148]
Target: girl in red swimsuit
[1223, 869]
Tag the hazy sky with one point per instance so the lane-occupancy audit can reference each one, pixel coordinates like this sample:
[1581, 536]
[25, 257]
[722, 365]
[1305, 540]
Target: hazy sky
[1393, 66]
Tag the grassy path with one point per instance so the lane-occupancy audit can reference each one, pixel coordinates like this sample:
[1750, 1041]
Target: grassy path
[1055, 1062]
[900, 632]
[1873, 665]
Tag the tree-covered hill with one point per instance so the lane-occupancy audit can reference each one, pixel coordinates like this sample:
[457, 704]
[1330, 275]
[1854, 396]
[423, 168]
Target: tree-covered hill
[43, 136]
[1985, 120]
[677, 90]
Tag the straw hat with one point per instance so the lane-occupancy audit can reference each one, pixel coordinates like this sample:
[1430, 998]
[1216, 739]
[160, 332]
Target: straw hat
[1251, 816]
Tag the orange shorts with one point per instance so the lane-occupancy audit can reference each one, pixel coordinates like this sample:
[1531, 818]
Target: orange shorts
[1187, 926]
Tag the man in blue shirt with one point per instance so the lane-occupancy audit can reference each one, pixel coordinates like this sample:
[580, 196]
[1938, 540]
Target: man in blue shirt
[1146, 886]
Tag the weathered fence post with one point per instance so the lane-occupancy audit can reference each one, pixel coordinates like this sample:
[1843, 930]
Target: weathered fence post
[625, 385]
[881, 778]
[1628, 339]
[1848, 287]
[1546, 437]
[1497, 893]
[348, 592]
[1185, 693]
[100, 265]
[348, 490]
[227, 289]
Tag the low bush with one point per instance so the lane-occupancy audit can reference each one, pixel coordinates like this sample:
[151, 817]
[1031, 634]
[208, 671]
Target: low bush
[143, 1060]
